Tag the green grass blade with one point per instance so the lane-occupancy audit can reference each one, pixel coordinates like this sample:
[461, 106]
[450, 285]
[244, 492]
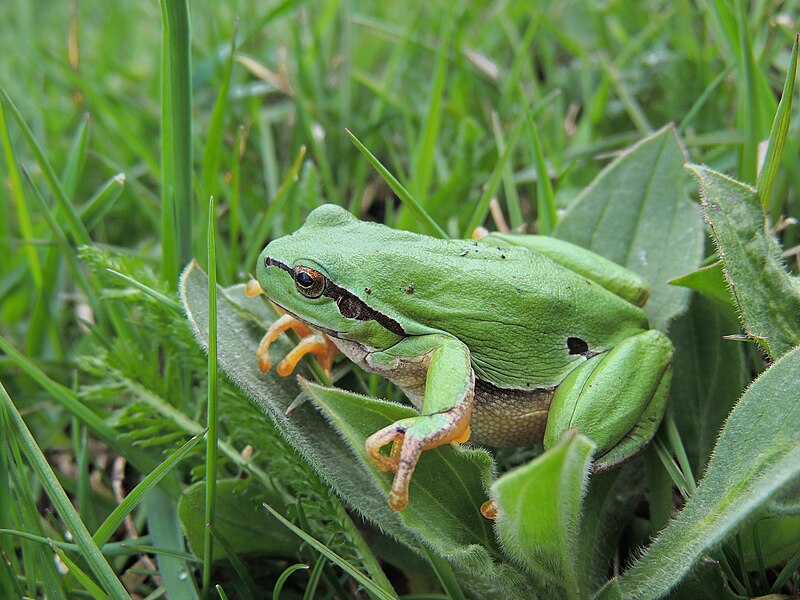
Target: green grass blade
[211, 158]
[787, 571]
[545, 196]
[37, 562]
[236, 563]
[402, 193]
[168, 302]
[176, 139]
[688, 119]
[482, 208]
[275, 207]
[777, 135]
[58, 497]
[424, 154]
[67, 251]
[18, 194]
[333, 557]
[632, 107]
[509, 185]
[76, 158]
[445, 575]
[212, 445]
[135, 496]
[86, 581]
[276, 592]
[101, 202]
[165, 528]
[73, 221]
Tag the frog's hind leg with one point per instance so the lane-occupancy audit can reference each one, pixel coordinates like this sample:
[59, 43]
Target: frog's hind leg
[616, 398]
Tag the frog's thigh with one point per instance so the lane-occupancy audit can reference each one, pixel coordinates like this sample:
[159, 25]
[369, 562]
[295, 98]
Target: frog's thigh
[616, 398]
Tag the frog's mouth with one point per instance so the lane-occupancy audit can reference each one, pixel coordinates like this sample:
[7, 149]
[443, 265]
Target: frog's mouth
[320, 328]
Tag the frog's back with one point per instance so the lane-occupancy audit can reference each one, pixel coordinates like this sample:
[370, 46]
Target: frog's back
[512, 307]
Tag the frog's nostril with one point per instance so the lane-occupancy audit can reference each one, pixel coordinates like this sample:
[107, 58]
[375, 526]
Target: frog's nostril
[267, 261]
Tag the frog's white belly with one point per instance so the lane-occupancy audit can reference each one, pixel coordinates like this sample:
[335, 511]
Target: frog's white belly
[500, 417]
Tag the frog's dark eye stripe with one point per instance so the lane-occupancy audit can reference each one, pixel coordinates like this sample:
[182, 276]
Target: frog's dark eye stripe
[313, 284]
[309, 282]
[271, 262]
[353, 307]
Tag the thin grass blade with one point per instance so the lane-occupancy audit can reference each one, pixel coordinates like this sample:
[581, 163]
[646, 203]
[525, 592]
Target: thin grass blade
[402, 193]
[777, 135]
[333, 557]
[176, 139]
[212, 445]
[101, 202]
[211, 157]
[482, 208]
[84, 579]
[58, 497]
[132, 500]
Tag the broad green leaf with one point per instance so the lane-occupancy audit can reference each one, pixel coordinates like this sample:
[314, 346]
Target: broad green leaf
[778, 540]
[708, 376]
[705, 582]
[239, 518]
[449, 483]
[768, 298]
[539, 515]
[241, 323]
[709, 281]
[757, 456]
[636, 213]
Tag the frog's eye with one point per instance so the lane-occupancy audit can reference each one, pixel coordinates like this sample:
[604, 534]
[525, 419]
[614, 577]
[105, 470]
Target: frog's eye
[309, 282]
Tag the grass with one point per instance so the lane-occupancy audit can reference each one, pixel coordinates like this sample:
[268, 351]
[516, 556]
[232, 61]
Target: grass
[119, 122]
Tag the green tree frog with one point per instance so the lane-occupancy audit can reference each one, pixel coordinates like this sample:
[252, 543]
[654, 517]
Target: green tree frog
[506, 341]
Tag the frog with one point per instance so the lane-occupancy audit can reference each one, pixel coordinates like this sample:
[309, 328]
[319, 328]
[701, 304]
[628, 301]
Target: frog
[505, 341]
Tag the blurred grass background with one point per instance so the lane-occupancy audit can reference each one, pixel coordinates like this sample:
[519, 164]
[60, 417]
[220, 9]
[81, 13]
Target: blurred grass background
[436, 91]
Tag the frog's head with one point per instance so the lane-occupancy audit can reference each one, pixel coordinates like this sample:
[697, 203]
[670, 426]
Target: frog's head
[310, 275]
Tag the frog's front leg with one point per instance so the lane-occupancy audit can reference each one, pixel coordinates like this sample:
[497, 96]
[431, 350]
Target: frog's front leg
[616, 398]
[446, 407]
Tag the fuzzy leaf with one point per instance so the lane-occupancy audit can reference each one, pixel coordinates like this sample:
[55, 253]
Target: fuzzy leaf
[768, 298]
[539, 514]
[765, 428]
[449, 483]
[635, 213]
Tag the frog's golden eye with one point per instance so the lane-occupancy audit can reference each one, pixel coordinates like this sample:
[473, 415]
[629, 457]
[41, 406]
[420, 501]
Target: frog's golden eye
[309, 282]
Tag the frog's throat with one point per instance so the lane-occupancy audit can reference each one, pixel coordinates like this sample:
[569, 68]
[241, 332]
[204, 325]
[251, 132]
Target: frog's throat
[346, 301]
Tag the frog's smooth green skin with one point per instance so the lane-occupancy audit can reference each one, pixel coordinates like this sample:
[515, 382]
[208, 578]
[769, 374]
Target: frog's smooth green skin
[512, 340]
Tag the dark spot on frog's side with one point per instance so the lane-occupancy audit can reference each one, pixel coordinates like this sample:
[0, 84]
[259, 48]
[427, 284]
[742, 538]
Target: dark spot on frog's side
[409, 289]
[577, 345]
[367, 290]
